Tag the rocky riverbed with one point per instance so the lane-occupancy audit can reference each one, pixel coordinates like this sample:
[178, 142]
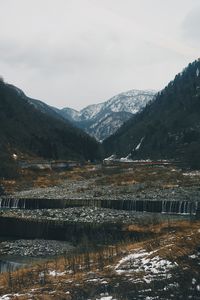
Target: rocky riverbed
[80, 215]
[76, 215]
[88, 189]
[34, 248]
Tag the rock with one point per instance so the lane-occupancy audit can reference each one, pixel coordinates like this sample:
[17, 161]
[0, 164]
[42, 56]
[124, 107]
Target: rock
[35, 248]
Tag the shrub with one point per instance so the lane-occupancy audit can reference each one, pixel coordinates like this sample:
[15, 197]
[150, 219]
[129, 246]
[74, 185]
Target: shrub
[8, 167]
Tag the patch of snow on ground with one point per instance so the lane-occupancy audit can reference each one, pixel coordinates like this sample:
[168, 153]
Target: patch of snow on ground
[5, 297]
[193, 256]
[126, 159]
[93, 280]
[112, 157]
[192, 174]
[55, 273]
[105, 297]
[142, 262]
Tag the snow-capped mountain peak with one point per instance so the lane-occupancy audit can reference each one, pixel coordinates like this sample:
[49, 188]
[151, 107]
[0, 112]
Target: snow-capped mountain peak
[131, 101]
[91, 111]
[103, 119]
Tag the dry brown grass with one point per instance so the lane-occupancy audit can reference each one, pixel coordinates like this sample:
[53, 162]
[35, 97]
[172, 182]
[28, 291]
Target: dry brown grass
[46, 178]
[152, 176]
[173, 240]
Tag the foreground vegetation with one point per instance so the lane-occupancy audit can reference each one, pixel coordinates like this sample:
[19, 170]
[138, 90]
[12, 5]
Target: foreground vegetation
[92, 274]
[119, 175]
[168, 127]
[162, 263]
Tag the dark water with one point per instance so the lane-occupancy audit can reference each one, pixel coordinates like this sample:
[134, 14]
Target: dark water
[103, 233]
[10, 265]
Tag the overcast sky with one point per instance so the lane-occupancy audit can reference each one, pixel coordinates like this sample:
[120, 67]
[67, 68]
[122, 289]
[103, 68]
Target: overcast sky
[79, 52]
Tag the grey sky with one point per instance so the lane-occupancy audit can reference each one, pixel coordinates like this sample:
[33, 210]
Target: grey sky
[79, 52]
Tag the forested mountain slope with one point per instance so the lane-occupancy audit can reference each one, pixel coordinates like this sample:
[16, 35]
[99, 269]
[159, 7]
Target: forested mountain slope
[103, 119]
[169, 126]
[26, 129]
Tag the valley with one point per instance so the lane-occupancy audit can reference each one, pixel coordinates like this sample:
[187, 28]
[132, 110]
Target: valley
[116, 220]
[99, 150]
[103, 119]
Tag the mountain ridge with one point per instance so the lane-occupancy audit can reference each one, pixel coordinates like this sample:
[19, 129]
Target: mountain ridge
[117, 110]
[168, 127]
[26, 129]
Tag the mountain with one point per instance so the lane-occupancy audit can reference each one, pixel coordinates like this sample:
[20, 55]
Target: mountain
[105, 126]
[39, 105]
[27, 129]
[69, 114]
[168, 127]
[45, 108]
[103, 119]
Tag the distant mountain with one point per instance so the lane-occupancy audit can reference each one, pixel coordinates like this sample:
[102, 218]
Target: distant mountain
[106, 125]
[38, 104]
[168, 127]
[31, 127]
[103, 119]
[70, 114]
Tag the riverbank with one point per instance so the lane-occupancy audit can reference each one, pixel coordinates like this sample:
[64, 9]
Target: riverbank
[121, 252]
[165, 267]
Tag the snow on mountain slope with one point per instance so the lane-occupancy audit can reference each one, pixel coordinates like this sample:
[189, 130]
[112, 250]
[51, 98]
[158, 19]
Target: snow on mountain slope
[91, 111]
[70, 114]
[99, 120]
[107, 125]
[131, 101]
[103, 119]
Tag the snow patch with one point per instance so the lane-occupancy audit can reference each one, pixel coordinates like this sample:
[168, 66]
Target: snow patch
[142, 262]
[112, 157]
[193, 256]
[192, 174]
[55, 273]
[105, 297]
[127, 158]
[14, 156]
[139, 145]
[93, 280]
[194, 280]
[5, 297]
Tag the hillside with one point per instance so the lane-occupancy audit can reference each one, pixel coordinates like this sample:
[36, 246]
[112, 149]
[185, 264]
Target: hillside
[169, 127]
[26, 129]
[103, 119]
